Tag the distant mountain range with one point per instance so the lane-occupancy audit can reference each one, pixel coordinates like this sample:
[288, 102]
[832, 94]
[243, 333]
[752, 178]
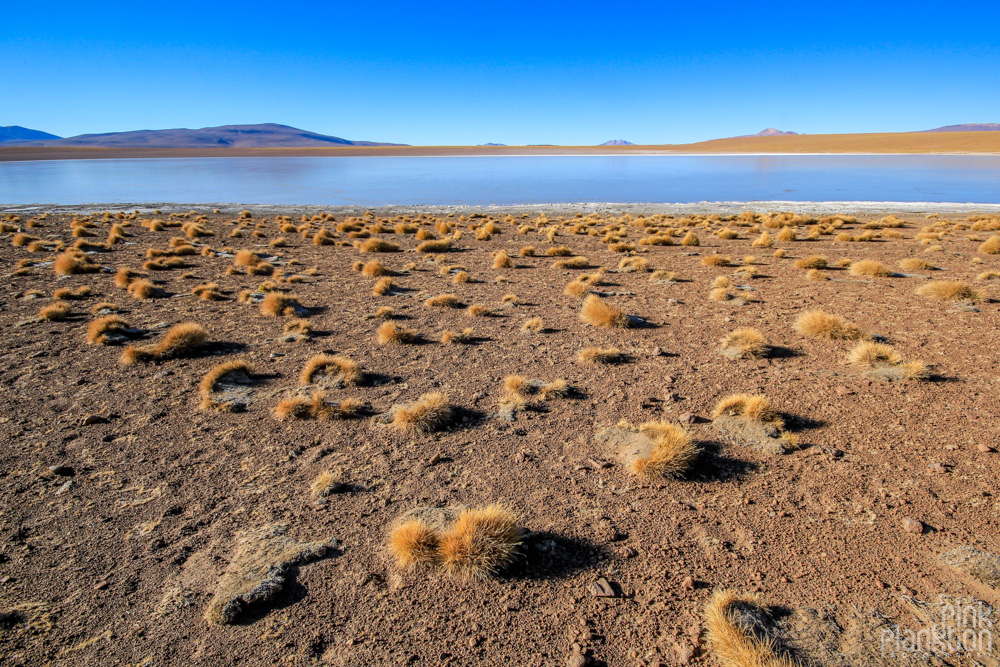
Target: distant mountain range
[770, 132]
[264, 135]
[617, 142]
[18, 133]
[968, 127]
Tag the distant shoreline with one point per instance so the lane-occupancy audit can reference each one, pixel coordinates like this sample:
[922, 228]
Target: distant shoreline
[901, 143]
[701, 208]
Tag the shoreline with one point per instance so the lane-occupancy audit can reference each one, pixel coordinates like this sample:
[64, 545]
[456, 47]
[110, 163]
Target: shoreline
[702, 208]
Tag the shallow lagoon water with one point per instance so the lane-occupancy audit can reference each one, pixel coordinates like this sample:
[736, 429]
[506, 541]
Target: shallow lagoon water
[477, 180]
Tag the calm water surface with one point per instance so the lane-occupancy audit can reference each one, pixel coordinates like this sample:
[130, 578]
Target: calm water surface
[372, 181]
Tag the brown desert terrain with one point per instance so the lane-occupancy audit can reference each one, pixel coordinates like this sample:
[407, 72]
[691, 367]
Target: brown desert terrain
[501, 438]
[895, 142]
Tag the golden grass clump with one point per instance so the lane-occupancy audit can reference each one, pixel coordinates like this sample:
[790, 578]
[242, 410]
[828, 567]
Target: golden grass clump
[732, 641]
[442, 245]
[869, 267]
[338, 370]
[533, 325]
[478, 310]
[124, 277]
[991, 246]
[73, 262]
[577, 262]
[576, 288]
[378, 245]
[142, 288]
[811, 262]
[763, 241]
[237, 370]
[817, 275]
[481, 542]
[414, 543]
[819, 324]
[914, 264]
[716, 260]
[431, 412]
[949, 290]
[443, 301]
[276, 304]
[755, 407]
[690, 239]
[501, 260]
[80, 292]
[316, 407]
[598, 313]
[390, 334]
[463, 336]
[672, 454]
[98, 330]
[527, 251]
[55, 312]
[744, 343]
[208, 292]
[180, 339]
[382, 286]
[374, 268]
[600, 355]
[887, 362]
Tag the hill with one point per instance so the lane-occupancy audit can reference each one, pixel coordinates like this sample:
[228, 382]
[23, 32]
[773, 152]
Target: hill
[617, 142]
[11, 133]
[263, 135]
[968, 127]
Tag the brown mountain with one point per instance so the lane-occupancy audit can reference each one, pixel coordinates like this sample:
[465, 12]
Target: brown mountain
[264, 135]
[968, 127]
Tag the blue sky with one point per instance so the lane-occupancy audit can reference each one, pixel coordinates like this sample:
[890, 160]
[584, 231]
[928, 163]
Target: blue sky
[513, 72]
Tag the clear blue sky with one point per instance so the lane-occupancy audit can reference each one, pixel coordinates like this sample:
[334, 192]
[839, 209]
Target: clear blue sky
[510, 72]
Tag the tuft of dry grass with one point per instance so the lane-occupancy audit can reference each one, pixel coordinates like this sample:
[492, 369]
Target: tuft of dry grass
[755, 407]
[869, 267]
[180, 339]
[208, 292]
[98, 330]
[237, 370]
[949, 290]
[598, 313]
[442, 245]
[811, 262]
[716, 260]
[443, 301]
[463, 336]
[733, 642]
[673, 452]
[501, 260]
[378, 245]
[533, 325]
[481, 543]
[871, 354]
[600, 355]
[819, 324]
[276, 304]
[324, 484]
[382, 286]
[414, 543]
[65, 293]
[316, 407]
[576, 262]
[390, 334]
[478, 310]
[744, 343]
[914, 264]
[339, 371]
[816, 274]
[55, 312]
[74, 262]
[374, 268]
[431, 412]
[142, 288]
[991, 246]
[690, 239]
[763, 241]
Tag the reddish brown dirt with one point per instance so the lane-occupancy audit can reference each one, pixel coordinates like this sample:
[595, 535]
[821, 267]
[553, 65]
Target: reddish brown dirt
[118, 567]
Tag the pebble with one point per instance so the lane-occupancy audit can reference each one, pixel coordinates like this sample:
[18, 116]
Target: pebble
[93, 419]
[601, 589]
[913, 526]
[576, 660]
[100, 585]
[688, 418]
[656, 352]
[985, 449]
[843, 391]
[628, 552]
[688, 583]
[683, 653]
[64, 471]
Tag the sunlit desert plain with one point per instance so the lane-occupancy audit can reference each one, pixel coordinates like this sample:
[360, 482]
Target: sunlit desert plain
[496, 436]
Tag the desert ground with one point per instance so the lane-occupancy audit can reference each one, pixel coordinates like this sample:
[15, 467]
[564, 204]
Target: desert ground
[630, 437]
[943, 143]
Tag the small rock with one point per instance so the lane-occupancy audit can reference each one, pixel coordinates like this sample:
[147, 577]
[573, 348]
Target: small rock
[656, 352]
[577, 660]
[601, 589]
[668, 380]
[843, 391]
[628, 552]
[985, 449]
[937, 467]
[436, 459]
[683, 653]
[93, 419]
[688, 583]
[64, 471]
[913, 526]
[687, 418]
[100, 585]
